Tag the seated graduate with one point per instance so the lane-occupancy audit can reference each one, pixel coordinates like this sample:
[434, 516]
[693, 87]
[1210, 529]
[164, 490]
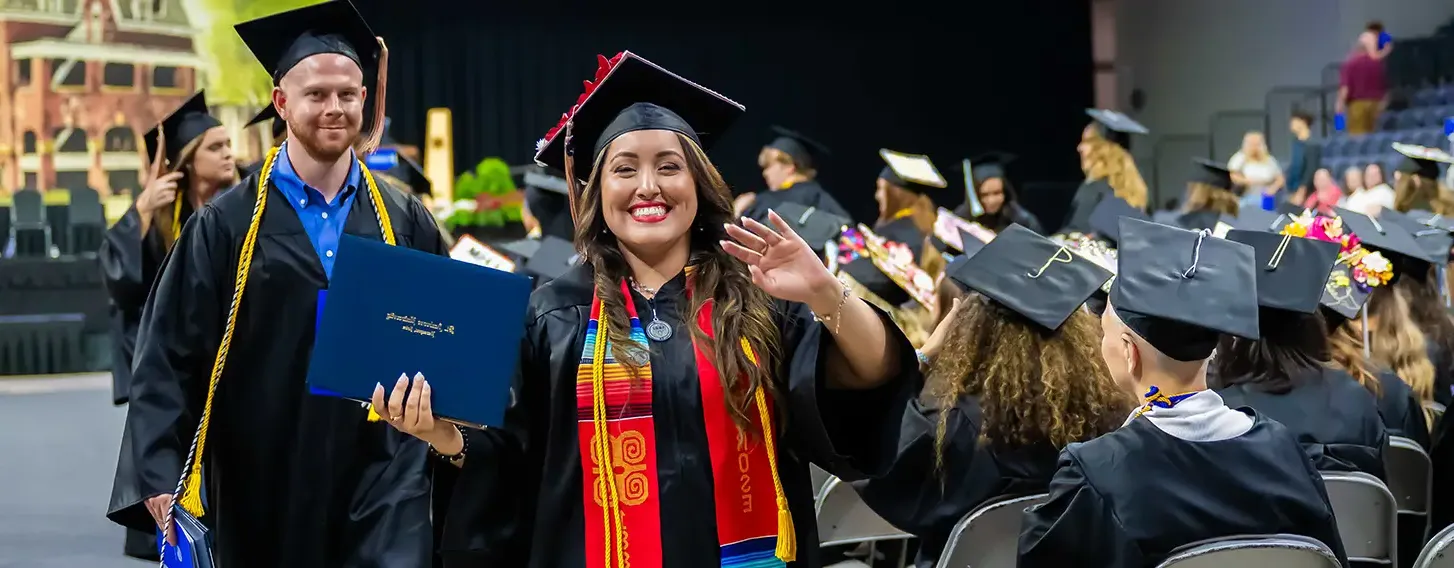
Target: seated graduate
[1287, 370]
[691, 363]
[1357, 275]
[1416, 184]
[291, 479]
[1177, 471]
[192, 162]
[1396, 345]
[906, 213]
[1109, 170]
[999, 203]
[1209, 196]
[790, 166]
[547, 210]
[1019, 376]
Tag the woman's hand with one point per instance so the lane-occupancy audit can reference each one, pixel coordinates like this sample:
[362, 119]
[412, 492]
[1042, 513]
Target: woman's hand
[409, 411]
[160, 192]
[742, 202]
[941, 332]
[783, 265]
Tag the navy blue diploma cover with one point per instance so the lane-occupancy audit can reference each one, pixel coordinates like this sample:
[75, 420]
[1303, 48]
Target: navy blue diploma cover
[393, 310]
[194, 542]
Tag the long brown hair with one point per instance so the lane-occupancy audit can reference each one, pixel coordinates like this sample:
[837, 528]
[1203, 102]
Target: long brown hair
[1201, 197]
[921, 208]
[1425, 308]
[1109, 161]
[1412, 191]
[1399, 345]
[1033, 386]
[162, 219]
[1345, 349]
[739, 308]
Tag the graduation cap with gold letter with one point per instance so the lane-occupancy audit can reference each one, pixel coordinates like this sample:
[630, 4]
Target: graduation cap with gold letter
[1291, 271]
[1032, 275]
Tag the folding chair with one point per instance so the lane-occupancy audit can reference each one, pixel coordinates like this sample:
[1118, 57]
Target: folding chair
[1437, 554]
[1410, 479]
[28, 228]
[1367, 516]
[1270, 551]
[843, 518]
[87, 221]
[989, 536]
[820, 479]
[1437, 408]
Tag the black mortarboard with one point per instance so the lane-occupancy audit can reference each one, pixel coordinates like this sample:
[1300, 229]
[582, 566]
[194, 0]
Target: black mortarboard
[1341, 293]
[552, 259]
[1422, 161]
[804, 151]
[971, 243]
[523, 248]
[634, 94]
[1291, 271]
[1105, 219]
[990, 165]
[1254, 219]
[866, 273]
[282, 40]
[1435, 241]
[546, 197]
[1116, 126]
[1432, 219]
[545, 181]
[956, 266]
[1179, 289]
[814, 225]
[1213, 174]
[412, 174]
[1032, 275]
[270, 112]
[913, 172]
[189, 122]
[1387, 237]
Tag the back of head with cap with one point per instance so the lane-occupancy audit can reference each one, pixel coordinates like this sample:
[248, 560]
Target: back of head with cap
[804, 154]
[285, 41]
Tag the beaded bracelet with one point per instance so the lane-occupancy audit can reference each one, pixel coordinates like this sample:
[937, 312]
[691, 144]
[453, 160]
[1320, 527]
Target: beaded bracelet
[464, 447]
[836, 318]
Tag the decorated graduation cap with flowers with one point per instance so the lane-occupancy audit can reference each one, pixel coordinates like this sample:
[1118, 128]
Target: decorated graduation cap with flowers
[1358, 270]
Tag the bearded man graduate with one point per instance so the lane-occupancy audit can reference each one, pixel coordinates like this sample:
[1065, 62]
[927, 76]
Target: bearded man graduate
[288, 478]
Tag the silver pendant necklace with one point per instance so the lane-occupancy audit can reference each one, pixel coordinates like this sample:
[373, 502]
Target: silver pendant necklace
[656, 329]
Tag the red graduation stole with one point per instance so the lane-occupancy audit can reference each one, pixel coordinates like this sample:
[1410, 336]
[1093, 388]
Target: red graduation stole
[622, 512]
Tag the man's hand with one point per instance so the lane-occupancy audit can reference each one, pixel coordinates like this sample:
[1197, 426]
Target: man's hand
[158, 507]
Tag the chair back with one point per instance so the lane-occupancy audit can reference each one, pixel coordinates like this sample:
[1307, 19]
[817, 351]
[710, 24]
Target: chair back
[843, 518]
[1437, 408]
[820, 479]
[86, 207]
[1270, 551]
[28, 209]
[1410, 475]
[1436, 554]
[1367, 516]
[989, 536]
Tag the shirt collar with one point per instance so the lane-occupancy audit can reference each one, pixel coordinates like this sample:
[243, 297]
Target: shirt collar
[1202, 417]
[287, 180]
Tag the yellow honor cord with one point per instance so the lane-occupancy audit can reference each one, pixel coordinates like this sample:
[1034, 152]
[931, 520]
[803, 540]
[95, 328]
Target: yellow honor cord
[191, 498]
[610, 500]
[787, 536]
[176, 218]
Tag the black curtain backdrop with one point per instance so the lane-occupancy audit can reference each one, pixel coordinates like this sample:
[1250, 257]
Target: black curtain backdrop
[945, 80]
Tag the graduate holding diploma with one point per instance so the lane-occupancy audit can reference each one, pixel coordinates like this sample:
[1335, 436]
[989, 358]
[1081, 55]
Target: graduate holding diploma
[696, 359]
[289, 479]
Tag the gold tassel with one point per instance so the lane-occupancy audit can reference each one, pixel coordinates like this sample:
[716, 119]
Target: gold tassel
[787, 536]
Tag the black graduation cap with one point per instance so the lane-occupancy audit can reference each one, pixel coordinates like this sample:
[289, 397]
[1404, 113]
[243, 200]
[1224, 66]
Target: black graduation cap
[189, 122]
[1253, 219]
[1116, 126]
[1432, 219]
[412, 174]
[804, 151]
[1179, 289]
[913, 172]
[1422, 161]
[866, 273]
[282, 40]
[523, 248]
[1032, 275]
[815, 226]
[270, 113]
[990, 165]
[636, 94]
[1341, 293]
[1291, 271]
[1213, 174]
[1385, 236]
[972, 246]
[1435, 241]
[552, 259]
[1105, 219]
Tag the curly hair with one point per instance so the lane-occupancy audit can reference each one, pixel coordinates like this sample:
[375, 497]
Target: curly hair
[1109, 161]
[1034, 386]
[739, 308]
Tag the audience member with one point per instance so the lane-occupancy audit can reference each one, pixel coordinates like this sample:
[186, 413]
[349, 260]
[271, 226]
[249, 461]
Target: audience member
[1305, 156]
[1362, 85]
[1254, 168]
[1372, 196]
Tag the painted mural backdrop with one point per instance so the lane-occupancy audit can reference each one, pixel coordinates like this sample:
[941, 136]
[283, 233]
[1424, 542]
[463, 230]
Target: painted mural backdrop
[86, 78]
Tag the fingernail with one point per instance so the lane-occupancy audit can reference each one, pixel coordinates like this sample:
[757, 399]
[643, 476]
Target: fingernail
[744, 219]
[726, 225]
[419, 376]
[403, 376]
[378, 387]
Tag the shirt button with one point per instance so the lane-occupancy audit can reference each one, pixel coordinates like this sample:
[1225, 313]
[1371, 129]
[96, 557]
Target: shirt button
[325, 215]
[328, 253]
[302, 202]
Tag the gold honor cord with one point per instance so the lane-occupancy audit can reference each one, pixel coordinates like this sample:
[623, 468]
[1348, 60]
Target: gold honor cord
[189, 487]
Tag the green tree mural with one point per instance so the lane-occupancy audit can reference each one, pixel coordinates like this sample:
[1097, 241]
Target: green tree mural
[236, 77]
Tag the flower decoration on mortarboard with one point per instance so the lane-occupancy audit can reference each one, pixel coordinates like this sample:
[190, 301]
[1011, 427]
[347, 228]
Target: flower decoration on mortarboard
[1369, 269]
[603, 68]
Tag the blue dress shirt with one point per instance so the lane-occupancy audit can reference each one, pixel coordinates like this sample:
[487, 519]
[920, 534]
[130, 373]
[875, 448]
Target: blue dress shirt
[322, 220]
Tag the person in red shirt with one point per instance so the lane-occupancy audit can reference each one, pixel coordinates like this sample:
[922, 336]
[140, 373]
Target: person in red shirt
[1362, 85]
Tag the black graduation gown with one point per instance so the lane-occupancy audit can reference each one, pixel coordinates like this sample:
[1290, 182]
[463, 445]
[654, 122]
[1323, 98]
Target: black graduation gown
[292, 479]
[1334, 418]
[805, 193]
[129, 264]
[1082, 204]
[927, 502]
[1443, 373]
[1130, 497]
[1403, 414]
[518, 500]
